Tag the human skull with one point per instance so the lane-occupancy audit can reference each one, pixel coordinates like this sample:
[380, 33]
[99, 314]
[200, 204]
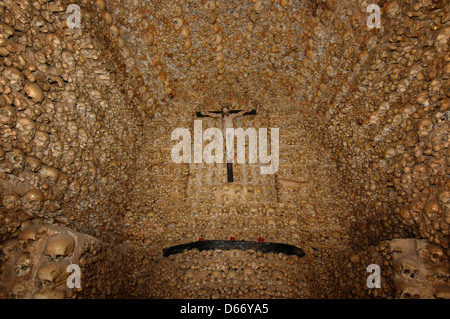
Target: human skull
[278, 276]
[232, 277]
[26, 129]
[32, 164]
[215, 277]
[406, 267]
[251, 190]
[441, 274]
[189, 276]
[252, 222]
[41, 140]
[73, 128]
[444, 200]
[63, 182]
[8, 116]
[32, 232]
[442, 292]
[68, 59]
[432, 210]
[82, 137]
[407, 181]
[57, 148]
[441, 42]
[8, 248]
[226, 187]
[33, 91]
[236, 254]
[271, 223]
[11, 202]
[23, 265]
[17, 158]
[396, 120]
[440, 140]
[407, 290]
[415, 210]
[420, 176]
[59, 246]
[15, 77]
[18, 291]
[32, 201]
[69, 156]
[425, 127]
[434, 253]
[51, 275]
[237, 189]
[406, 246]
[49, 174]
[249, 274]
[411, 139]
[50, 294]
[437, 167]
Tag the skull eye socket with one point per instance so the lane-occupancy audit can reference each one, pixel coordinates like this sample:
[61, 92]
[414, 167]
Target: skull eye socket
[435, 256]
[16, 158]
[33, 203]
[25, 268]
[407, 296]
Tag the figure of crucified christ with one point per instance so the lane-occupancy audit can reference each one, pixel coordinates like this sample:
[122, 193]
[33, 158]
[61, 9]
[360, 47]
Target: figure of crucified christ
[227, 117]
[227, 123]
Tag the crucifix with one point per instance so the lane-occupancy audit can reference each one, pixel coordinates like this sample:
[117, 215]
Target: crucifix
[228, 117]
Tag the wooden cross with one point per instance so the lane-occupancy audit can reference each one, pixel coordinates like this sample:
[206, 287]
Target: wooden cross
[229, 165]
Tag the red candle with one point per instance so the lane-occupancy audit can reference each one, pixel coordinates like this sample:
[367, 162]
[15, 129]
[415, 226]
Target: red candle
[232, 238]
[260, 240]
[201, 239]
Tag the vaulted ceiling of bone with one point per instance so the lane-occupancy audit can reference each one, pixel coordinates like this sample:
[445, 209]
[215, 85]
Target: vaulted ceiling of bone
[92, 91]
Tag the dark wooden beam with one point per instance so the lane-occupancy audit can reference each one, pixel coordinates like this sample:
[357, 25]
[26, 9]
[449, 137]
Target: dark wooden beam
[253, 112]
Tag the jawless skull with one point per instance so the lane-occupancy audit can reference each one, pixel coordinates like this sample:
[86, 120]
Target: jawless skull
[407, 268]
[59, 246]
[26, 129]
[32, 201]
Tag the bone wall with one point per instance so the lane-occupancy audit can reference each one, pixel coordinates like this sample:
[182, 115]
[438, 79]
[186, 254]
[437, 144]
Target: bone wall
[70, 123]
[86, 120]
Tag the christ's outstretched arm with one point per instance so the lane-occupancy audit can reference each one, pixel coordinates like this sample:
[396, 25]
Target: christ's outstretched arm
[206, 113]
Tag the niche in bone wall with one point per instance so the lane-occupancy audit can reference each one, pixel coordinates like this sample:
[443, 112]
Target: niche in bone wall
[421, 270]
[36, 263]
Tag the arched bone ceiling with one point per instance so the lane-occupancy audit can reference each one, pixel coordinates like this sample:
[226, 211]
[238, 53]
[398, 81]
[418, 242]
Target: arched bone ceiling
[87, 116]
